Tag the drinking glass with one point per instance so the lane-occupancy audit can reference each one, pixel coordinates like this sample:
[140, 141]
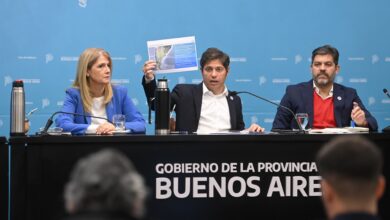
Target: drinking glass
[303, 119]
[119, 122]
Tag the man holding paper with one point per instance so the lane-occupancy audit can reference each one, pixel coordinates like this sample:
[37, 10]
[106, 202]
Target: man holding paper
[327, 103]
[207, 107]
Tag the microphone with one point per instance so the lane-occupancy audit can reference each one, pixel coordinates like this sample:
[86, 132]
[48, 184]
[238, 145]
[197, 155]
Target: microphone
[50, 120]
[150, 110]
[386, 92]
[301, 131]
[386, 129]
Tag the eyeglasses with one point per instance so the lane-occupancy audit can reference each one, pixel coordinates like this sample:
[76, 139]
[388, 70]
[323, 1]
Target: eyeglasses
[218, 69]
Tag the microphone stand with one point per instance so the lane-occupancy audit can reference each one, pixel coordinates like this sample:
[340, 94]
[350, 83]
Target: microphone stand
[301, 130]
[50, 120]
[150, 103]
[386, 129]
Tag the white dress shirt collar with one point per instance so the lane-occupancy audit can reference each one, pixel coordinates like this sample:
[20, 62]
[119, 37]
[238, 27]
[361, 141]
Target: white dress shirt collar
[318, 91]
[206, 90]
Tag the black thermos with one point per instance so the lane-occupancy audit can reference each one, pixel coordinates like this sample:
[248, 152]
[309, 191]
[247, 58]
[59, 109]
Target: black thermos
[162, 104]
[17, 109]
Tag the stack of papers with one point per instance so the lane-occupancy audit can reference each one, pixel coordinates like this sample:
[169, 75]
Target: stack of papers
[345, 130]
[59, 133]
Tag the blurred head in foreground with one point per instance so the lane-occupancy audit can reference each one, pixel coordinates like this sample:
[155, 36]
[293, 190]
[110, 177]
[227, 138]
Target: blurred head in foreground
[106, 181]
[352, 180]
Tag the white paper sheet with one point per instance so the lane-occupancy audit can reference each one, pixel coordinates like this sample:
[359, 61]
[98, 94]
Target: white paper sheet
[345, 130]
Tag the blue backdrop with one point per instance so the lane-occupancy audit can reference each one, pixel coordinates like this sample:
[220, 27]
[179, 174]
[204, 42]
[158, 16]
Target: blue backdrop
[269, 41]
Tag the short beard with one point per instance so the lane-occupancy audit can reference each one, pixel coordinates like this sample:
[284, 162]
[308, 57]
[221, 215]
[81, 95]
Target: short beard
[322, 82]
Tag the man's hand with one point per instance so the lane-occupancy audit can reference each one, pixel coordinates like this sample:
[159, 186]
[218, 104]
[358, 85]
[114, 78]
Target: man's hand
[148, 68]
[358, 116]
[255, 128]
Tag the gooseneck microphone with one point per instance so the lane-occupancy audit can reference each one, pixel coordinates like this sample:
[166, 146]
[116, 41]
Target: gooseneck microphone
[386, 92]
[50, 120]
[386, 129]
[301, 131]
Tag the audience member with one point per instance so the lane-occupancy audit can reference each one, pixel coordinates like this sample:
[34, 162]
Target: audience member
[352, 180]
[105, 185]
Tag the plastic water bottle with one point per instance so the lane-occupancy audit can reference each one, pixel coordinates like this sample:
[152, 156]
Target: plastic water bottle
[17, 109]
[162, 104]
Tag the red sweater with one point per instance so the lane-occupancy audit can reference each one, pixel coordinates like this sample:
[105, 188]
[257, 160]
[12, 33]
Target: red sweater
[323, 112]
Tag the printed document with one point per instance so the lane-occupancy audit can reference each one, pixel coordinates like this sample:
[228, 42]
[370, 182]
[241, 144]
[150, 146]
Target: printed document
[174, 55]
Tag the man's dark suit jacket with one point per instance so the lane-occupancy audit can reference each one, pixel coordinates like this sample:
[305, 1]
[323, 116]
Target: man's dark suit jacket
[299, 98]
[188, 100]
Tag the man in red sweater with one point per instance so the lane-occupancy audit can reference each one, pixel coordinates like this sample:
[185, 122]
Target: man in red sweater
[327, 103]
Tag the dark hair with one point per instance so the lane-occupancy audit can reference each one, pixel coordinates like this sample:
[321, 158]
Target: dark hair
[106, 181]
[325, 50]
[352, 165]
[214, 54]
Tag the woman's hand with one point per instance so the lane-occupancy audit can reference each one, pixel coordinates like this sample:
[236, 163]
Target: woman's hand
[104, 129]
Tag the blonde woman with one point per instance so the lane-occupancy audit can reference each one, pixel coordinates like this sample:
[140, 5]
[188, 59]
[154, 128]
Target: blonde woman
[93, 94]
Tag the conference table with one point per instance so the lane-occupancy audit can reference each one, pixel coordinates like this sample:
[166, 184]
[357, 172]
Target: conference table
[271, 176]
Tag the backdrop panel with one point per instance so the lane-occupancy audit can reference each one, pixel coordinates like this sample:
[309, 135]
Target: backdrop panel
[270, 43]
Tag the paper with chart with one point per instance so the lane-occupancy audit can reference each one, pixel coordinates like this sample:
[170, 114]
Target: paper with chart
[174, 55]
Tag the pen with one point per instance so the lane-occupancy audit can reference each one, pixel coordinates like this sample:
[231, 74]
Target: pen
[352, 121]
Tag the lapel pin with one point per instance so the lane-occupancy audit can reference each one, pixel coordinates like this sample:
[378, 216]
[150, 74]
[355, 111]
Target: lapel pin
[339, 98]
[231, 98]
